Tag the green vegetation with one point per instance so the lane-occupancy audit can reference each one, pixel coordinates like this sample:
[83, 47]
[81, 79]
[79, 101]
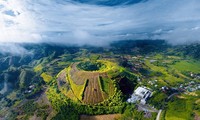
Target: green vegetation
[90, 66]
[192, 66]
[77, 89]
[131, 113]
[38, 68]
[29, 109]
[104, 82]
[94, 87]
[179, 109]
[24, 78]
[106, 85]
[100, 85]
[165, 75]
[47, 78]
[158, 100]
[65, 104]
[70, 110]
[42, 112]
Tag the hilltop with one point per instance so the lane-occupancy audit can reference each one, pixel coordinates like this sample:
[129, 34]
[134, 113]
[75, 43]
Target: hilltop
[90, 82]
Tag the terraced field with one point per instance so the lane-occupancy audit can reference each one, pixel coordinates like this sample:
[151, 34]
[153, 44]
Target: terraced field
[93, 93]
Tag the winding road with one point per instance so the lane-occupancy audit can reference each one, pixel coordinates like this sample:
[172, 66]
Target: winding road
[158, 115]
[160, 111]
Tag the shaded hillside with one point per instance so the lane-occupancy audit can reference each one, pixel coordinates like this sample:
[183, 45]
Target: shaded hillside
[139, 46]
[190, 50]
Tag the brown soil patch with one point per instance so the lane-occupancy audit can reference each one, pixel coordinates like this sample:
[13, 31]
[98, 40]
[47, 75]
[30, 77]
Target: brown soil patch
[93, 93]
[196, 117]
[100, 117]
[61, 78]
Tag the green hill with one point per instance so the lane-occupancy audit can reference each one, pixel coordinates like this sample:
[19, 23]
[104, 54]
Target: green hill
[91, 83]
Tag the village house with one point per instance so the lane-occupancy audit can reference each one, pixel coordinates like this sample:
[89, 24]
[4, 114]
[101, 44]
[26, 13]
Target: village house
[140, 94]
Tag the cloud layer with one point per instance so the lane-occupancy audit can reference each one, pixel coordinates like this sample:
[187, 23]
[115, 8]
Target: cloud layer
[69, 22]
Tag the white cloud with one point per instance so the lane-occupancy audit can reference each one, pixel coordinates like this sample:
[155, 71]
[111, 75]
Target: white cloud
[14, 49]
[20, 27]
[68, 22]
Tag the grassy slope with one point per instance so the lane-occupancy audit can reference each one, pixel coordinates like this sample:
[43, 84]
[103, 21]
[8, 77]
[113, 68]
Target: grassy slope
[76, 89]
[180, 109]
[183, 107]
[106, 85]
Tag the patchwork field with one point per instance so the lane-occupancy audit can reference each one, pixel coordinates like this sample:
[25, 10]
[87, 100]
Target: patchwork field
[166, 76]
[170, 70]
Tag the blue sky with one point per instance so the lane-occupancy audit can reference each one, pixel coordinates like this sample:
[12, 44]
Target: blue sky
[70, 22]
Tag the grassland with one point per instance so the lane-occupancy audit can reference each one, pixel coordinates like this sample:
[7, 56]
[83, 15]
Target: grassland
[179, 109]
[183, 107]
[47, 78]
[186, 65]
[170, 70]
[197, 107]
